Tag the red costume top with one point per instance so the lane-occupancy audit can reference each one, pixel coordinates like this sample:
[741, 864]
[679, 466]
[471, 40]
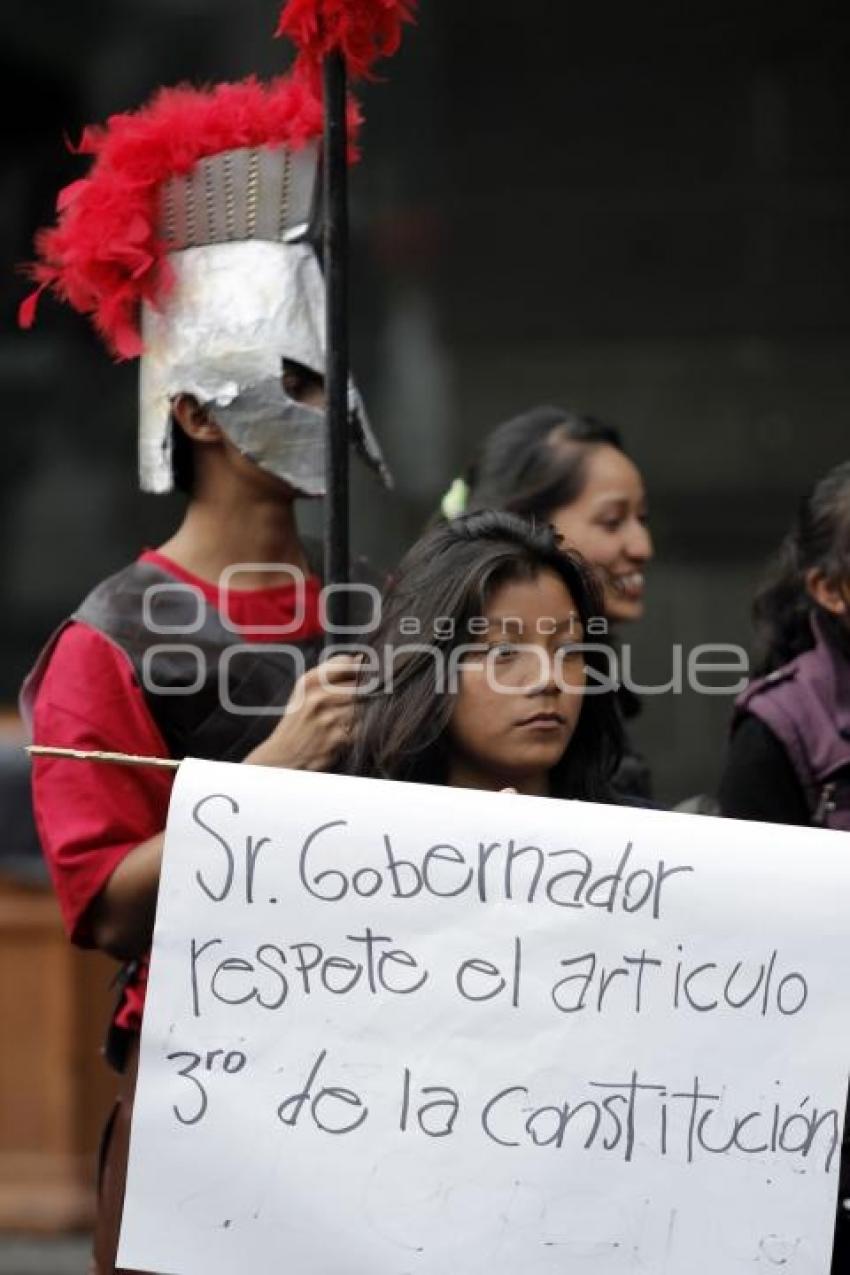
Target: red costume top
[90, 814]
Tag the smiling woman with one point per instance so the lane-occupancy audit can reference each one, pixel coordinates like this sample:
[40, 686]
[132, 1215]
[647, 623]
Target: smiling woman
[573, 472]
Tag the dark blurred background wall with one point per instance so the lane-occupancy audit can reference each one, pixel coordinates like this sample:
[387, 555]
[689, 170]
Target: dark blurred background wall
[641, 211]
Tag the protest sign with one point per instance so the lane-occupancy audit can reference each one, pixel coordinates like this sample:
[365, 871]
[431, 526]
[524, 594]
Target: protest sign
[400, 1029]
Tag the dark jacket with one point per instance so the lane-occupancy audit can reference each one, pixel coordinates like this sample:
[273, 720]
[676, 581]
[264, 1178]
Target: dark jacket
[805, 705]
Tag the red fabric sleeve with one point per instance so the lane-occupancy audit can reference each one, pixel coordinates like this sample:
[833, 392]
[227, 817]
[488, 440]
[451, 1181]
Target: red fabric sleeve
[90, 814]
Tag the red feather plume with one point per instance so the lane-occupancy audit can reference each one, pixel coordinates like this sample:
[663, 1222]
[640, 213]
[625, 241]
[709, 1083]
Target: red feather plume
[361, 30]
[104, 256]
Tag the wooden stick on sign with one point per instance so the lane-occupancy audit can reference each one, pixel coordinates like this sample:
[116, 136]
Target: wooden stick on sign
[118, 759]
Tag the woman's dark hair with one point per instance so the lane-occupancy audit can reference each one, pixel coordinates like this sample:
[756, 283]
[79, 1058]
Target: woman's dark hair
[536, 463]
[819, 539]
[401, 732]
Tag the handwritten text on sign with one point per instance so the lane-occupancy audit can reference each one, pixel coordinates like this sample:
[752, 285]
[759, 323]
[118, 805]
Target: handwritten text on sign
[404, 1029]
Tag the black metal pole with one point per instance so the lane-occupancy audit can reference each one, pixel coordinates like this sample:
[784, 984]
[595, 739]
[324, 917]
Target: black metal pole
[335, 187]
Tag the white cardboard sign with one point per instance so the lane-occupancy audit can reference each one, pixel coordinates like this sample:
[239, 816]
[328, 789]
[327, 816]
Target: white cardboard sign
[409, 1031]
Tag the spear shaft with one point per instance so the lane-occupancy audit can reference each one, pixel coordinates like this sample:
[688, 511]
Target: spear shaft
[335, 187]
[115, 759]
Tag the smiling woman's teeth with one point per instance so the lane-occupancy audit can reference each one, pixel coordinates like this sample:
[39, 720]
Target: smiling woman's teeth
[629, 583]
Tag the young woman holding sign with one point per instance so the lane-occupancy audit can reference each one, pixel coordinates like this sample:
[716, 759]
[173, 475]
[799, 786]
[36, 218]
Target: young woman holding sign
[485, 682]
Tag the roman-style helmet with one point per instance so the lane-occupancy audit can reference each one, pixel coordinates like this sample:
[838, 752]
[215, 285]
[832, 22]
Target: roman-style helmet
[189, 245]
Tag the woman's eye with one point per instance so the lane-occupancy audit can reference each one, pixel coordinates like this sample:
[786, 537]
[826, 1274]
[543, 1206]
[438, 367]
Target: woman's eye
[503, 650]
[611, 524]
[570, 651]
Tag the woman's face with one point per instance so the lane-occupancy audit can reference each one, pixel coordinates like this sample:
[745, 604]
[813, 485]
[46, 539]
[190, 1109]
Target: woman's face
[519, 697]
[607, 524]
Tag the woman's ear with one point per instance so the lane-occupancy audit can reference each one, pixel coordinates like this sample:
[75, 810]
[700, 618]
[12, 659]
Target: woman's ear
[826, 592]
[194, 420]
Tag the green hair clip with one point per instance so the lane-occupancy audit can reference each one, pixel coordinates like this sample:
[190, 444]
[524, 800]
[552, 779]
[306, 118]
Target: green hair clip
[455, 500]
